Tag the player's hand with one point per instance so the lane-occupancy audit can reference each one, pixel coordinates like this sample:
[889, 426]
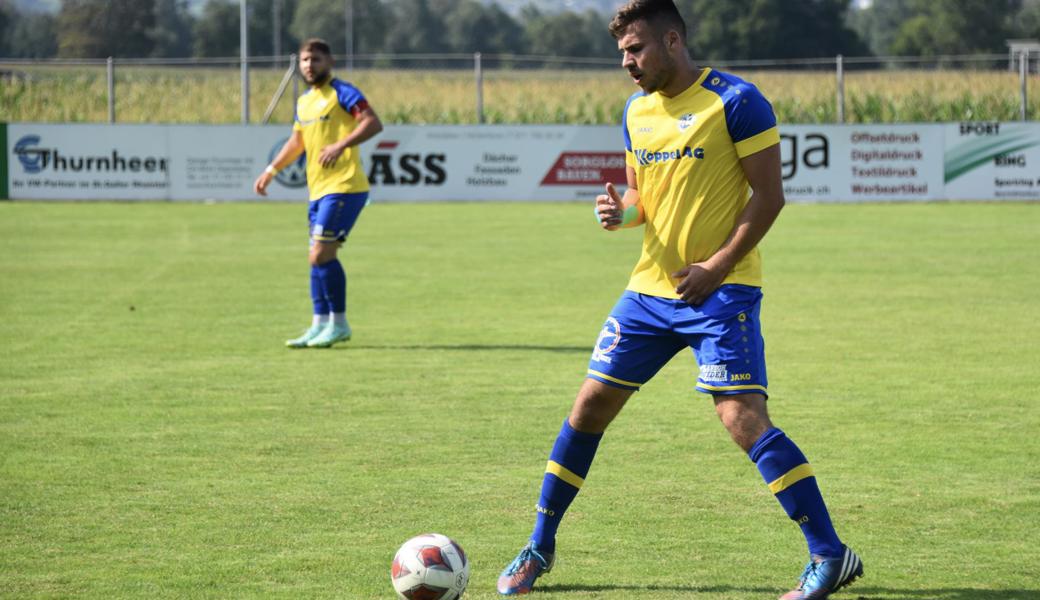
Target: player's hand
[329, 155]
[261, 183]
[698, 281]
[609, 208]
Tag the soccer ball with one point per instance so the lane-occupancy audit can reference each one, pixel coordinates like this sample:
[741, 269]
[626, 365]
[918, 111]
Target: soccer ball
[430, 567]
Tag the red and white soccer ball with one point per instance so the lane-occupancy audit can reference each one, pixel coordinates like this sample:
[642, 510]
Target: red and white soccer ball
[430, 567]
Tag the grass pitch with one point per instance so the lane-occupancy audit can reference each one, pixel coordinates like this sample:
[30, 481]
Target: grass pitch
[157, 441]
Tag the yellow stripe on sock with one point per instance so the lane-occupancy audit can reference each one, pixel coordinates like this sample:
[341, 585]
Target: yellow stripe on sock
[564, 473]
[790, 478]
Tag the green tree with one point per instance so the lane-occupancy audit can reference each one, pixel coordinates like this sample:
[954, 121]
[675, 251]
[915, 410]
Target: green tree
[568, 34]
[879, 24]
[936, 27]
[31, 35]
[415, 27]
[217, 29]
[100, 28]
[261, 26]
[1028, 20]
[326, 20]
[470, 26]
[760, 29]
[171, 34]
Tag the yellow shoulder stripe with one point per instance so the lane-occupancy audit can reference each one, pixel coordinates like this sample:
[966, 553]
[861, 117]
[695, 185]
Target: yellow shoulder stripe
[759, 142]
[790, 478]
[564, 473]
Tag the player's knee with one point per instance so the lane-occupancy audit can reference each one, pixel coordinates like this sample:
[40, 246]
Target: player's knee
[745, 417]
[321, 253]
[596, 406]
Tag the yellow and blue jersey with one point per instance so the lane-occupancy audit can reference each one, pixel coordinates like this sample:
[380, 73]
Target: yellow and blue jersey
[324, 116]
[686, 153]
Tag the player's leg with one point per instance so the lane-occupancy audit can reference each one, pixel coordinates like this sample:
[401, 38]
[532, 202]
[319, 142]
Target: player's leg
[632, 347]
[731, 354]
[322, 308]
[337, 214]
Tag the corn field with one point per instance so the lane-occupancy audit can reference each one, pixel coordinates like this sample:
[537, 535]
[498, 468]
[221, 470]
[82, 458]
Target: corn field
[147, 94]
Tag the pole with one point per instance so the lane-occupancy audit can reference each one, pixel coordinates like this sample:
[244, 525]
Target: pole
[348, 15]
[295, 83]
[276, 30]
[840, 68]
[243, 39]
[295, 66]
[110, 73]
[1023, 76]
[478, 74]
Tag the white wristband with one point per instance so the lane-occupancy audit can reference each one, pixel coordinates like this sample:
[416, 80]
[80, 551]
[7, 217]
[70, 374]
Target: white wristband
[270, 169]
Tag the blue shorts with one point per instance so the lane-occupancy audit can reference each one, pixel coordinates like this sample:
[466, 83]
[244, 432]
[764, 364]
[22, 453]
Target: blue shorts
[644, 332]
[332, 217]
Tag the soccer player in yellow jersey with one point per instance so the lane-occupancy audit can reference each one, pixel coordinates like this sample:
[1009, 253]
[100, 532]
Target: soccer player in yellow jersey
[332, 119]
[703, 171]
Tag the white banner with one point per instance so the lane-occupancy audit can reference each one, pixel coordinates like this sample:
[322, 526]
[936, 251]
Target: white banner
[833, 163]
[849, 163]
[992, 161]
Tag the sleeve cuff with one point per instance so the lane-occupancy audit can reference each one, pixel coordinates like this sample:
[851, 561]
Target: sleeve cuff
[759, 142]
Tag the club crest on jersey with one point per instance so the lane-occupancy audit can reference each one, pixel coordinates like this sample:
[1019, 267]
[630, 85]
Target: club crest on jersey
[686, 121]
[608, 340]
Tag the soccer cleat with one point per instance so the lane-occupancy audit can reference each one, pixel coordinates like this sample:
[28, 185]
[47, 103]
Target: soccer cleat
[519, 576]
[332, 334]
[310, 334]
[824, 576]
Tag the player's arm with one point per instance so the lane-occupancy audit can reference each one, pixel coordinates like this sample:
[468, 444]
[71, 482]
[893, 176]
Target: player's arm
[292, 150]
[762, 170]
[368, 126]
[615, 211]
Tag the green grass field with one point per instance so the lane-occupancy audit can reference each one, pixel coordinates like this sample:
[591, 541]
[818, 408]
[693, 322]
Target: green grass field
[157, 441]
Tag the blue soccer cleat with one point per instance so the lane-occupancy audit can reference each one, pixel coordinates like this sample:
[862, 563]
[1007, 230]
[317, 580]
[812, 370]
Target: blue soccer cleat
[824, 576]
[519, 576]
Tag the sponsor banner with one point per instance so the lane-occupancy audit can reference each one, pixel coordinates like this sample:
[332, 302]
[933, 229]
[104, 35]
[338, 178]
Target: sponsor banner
[83, 162]
[494, 162]
[3, 162]
[992, 161]
[833, 163]
[858, 163]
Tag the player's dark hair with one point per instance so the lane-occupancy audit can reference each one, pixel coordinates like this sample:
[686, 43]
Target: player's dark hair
[658, 13]
[313, 45]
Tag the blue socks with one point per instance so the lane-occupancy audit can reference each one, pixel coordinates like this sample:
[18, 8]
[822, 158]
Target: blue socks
[321, 305]
[331, 287]
[790, 477]
[565, 473]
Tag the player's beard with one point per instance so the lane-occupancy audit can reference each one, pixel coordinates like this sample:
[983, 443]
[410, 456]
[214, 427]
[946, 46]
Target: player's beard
[317, 79]
[660, 78]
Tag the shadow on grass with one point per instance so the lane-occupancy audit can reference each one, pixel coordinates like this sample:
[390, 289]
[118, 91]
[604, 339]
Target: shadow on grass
[610, 587]
[467, 347]
[864, 593]
[880, 593]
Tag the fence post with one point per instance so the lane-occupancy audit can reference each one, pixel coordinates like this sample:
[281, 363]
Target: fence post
[243, 33]
[840, 72]
[110, 73]
[478, 73]
[1023, 76]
